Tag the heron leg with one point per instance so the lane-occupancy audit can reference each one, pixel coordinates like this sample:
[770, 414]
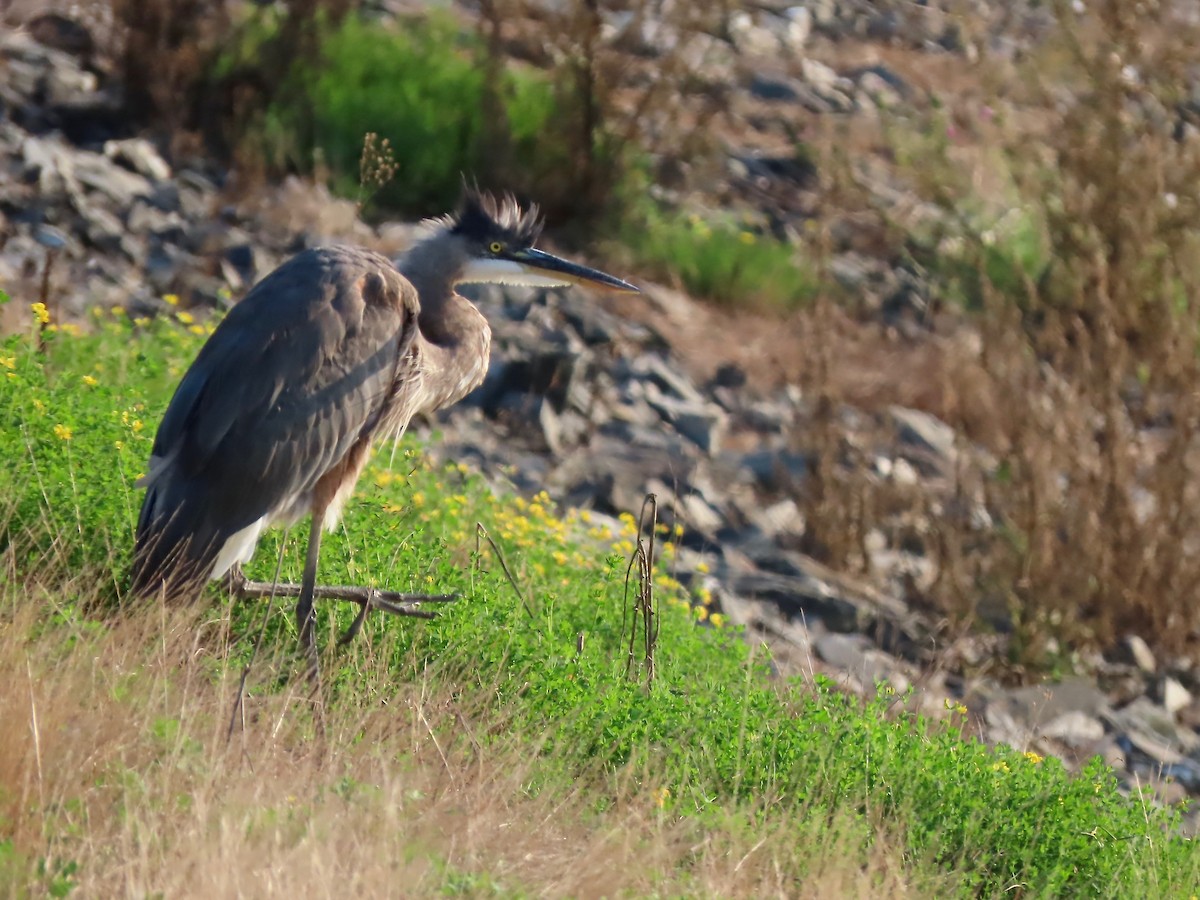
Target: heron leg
[304, 603]
[395, 603]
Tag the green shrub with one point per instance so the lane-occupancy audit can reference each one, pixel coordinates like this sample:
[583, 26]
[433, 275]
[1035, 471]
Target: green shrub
[421, 86]
[718, 260]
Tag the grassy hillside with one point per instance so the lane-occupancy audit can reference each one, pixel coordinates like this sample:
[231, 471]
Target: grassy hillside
[514, 746]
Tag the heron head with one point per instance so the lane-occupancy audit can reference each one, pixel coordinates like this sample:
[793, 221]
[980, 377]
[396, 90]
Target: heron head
[497, 236]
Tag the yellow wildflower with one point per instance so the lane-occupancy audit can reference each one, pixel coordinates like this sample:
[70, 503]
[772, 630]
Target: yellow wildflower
[171, 299]
[90, 380]
[136, 425]
[746, 237]
[9, 362]
[718, 620]
[661, 796]
[185, 317]
[71, 328]
[62, 432]
[117, 310]
[702, 567]
[197, 329]
[141, 321]
[39, 405]
[40, 312]
[1034, 758]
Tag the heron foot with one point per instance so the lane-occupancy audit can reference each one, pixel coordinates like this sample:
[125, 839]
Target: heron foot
[395, 603]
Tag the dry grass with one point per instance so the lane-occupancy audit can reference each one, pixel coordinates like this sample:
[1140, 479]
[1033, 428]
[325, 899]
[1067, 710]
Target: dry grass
[118, 781]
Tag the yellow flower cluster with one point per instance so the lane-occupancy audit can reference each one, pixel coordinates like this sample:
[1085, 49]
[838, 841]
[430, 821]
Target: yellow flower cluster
[41, 313]
[955, 707]
[130, 420]
[62, 432]
[66, 328]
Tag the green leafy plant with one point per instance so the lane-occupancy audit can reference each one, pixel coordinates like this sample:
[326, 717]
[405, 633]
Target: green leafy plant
[730, 264]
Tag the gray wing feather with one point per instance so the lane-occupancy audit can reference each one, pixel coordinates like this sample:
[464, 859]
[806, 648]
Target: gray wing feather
[289, 381]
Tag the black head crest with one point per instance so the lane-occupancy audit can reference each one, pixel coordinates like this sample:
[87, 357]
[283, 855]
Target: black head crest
[483, 217]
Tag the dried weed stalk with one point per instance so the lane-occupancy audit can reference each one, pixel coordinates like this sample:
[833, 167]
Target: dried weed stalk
[644, 619]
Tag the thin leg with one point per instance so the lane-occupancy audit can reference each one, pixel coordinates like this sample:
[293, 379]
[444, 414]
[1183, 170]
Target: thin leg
[396, 603]
[304, 605]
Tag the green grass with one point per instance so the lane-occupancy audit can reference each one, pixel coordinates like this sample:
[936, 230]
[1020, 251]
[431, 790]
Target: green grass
[731, 265]
[714, 749]
[421, 86]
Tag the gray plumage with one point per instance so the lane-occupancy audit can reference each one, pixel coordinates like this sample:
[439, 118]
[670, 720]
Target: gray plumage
[334, 349]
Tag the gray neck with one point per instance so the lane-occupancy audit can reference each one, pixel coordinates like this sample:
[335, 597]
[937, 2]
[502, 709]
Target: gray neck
[433, 265]
[456, 347]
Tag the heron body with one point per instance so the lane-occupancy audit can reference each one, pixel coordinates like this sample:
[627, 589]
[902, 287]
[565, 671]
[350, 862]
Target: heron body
[336, 348]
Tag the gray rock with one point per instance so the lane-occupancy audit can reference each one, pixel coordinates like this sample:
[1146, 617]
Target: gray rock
[702, 423]
[819, 75]
[700, 514]
[775, 90]
[799, 28]
[105, 232]
[51, 238]
[752, 39]
[1175, 696]
[845, 651]
[1144, 717]
[105, 177]
[1139, 653]
[928, 434]
[1074, 728]
[772, 470]
[140, 155]
[782, 517]
[654, 369]
[147, 219]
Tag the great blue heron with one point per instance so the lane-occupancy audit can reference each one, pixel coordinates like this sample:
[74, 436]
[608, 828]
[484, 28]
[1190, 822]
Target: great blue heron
[335, 348]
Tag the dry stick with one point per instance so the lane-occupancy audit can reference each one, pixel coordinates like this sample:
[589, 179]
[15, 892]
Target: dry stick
[479, 529]
[648, 614]
[238, 704]
[643, 558]
[633, 560]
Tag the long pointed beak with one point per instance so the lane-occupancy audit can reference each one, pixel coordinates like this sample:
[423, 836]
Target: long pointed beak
[539, 263]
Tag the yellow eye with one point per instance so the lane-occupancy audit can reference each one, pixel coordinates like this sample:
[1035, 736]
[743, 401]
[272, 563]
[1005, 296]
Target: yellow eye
[495, 247]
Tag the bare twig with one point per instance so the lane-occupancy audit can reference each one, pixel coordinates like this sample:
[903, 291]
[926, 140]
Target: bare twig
[643, 604]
